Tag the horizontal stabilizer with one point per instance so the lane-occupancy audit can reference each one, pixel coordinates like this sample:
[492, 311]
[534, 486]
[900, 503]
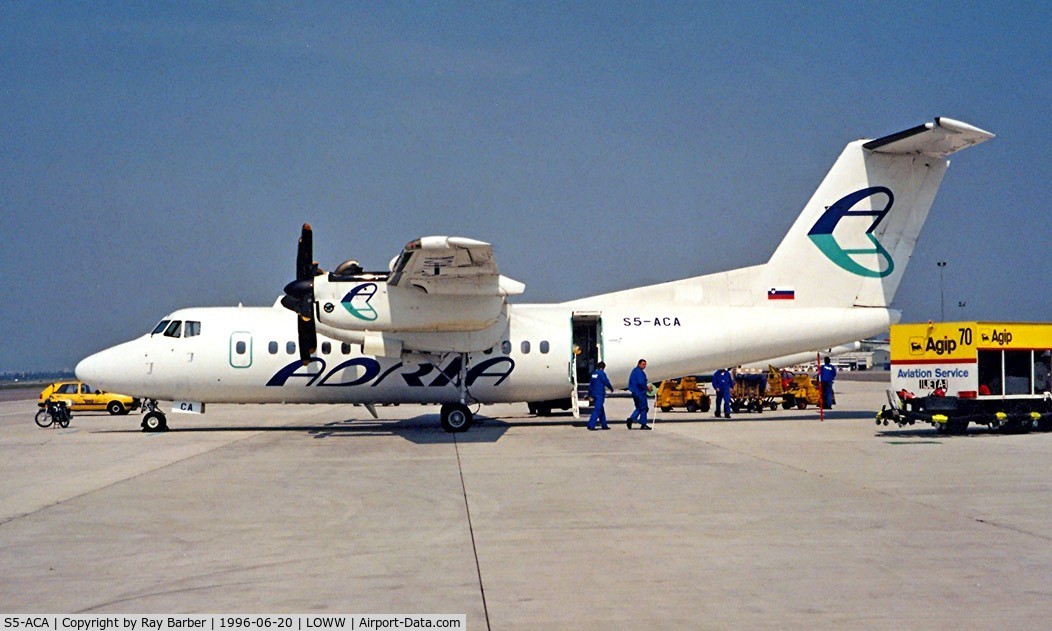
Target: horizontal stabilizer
[938, 139]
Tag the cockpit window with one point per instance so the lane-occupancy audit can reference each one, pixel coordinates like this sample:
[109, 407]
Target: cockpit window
[174, 329]
[162, 325]
[191, 328]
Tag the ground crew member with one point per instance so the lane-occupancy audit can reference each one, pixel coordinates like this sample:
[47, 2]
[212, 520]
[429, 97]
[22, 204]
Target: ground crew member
[723, 382]
[826, 375]
[597, 388]
[638, 385]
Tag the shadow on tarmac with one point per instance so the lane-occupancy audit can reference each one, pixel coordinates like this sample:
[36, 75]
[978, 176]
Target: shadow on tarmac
[931, 433]
[425, 429]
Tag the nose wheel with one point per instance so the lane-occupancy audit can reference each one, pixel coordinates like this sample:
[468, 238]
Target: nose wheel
[154, 421]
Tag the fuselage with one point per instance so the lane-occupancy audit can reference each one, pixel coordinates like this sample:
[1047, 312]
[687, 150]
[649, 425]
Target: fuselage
[249, 354]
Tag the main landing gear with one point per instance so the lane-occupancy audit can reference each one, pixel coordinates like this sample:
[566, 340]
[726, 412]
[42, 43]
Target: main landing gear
[456, 417]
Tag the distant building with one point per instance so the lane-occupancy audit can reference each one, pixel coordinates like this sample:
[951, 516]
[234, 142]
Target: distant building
[882, 359]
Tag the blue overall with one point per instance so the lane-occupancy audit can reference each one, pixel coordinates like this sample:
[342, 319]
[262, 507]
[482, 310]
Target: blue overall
[723, 382]
[637, 385]
[597, 388]
[826, 375]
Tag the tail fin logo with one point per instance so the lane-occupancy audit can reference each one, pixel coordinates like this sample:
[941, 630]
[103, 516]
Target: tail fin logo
[821, 233]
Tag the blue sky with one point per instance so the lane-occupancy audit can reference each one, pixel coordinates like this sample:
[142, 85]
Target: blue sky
[162, 155]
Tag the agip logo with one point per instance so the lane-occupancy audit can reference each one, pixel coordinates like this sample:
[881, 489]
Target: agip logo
[821, 233]
[924, 345]
[993, 336]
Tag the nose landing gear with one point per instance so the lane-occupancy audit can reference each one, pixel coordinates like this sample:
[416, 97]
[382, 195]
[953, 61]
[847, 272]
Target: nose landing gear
[154, 420]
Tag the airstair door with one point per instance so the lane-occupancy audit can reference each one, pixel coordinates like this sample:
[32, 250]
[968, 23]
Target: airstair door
[587, 352]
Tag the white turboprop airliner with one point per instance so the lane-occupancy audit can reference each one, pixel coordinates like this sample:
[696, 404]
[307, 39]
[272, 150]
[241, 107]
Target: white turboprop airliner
[437, 326]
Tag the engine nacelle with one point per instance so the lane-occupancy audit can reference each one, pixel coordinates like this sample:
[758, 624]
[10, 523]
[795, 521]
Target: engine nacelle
[373, 305]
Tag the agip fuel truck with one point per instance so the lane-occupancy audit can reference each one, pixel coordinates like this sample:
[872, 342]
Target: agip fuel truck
[951, 374]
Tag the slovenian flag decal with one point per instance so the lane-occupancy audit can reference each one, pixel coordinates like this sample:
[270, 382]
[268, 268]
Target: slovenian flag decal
[781, 293]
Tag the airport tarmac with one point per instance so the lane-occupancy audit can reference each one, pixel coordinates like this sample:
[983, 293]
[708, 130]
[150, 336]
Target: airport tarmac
[772, 520]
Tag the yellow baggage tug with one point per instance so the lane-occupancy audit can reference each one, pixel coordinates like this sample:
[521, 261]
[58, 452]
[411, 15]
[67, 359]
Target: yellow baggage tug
[951, 374]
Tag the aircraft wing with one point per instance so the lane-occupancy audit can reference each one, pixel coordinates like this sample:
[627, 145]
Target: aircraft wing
[451, 266]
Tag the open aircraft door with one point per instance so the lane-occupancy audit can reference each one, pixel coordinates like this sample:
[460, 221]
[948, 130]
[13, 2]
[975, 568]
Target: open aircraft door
[587, 352]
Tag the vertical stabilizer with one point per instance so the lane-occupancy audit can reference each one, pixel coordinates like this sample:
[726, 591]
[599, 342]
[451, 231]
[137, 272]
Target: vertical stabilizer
[851, 244]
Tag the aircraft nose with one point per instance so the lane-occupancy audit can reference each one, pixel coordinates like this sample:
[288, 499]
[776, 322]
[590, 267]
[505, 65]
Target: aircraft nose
[92, 369]
[111, 369]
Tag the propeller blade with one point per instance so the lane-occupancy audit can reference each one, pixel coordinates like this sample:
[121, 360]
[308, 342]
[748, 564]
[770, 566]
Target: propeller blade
[299, 295]
[308, 338]
[300, 289]
[290, 303]
[305, 254]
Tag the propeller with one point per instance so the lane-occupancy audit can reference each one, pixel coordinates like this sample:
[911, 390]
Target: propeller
[299, 295]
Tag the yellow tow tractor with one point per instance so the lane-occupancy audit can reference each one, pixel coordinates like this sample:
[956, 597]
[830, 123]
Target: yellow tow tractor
[682, 393]
[789, 389]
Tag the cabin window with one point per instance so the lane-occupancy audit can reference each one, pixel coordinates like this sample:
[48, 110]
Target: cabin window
[326, 348]
[191, 328]
[290, 348]
[67, 388]
[162, 325]
[240, 347]
[544, 346]
[273, 348]
[525, 347]
[174, 328]
[345, 348]
[85, 388]
[505, 347]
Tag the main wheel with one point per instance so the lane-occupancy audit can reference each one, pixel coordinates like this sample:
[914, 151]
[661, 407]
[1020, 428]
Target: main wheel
[43, 419]
[801, 404]
[456, 417]
[115, 408]
[666, 408]
[154, 422]
[692, 406]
